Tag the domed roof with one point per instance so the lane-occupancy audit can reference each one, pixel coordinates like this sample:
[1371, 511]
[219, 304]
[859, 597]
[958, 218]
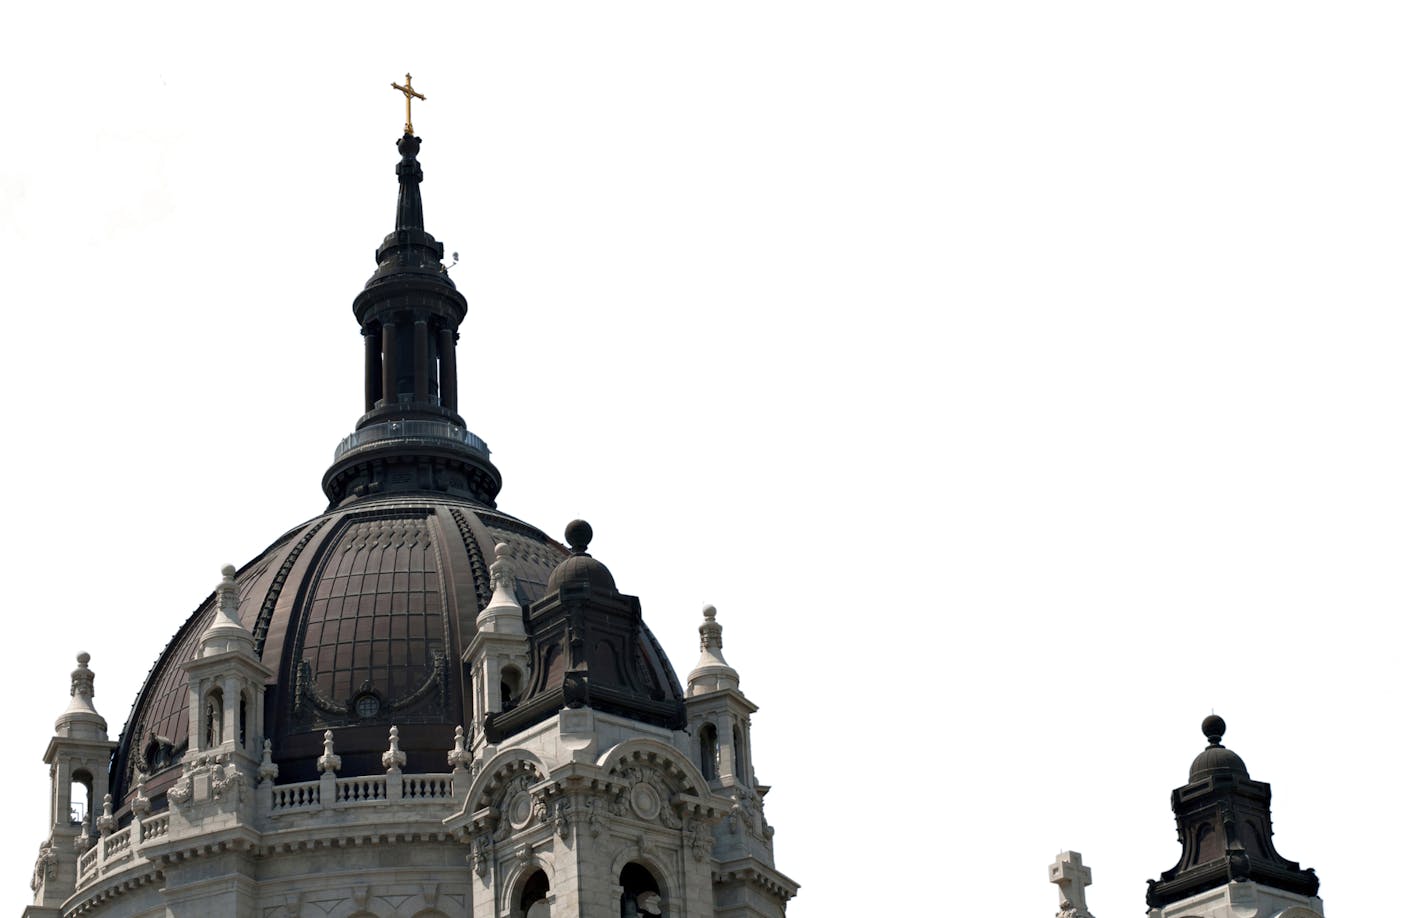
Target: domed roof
[1216, 757]
[581, 567]
[363, 613]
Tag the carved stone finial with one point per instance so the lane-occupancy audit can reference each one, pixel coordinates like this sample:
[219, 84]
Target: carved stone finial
[578, 534]
[393, 759]
[1214, 728]
[227, 591]
[81, 681]
[503, 613]
[711, 631]
[712, 671]
[141, 805]
[502, 570]
[330, 762]
[226, 632]
[460, 757]
[267, 769]
[1072, 879]
[106, 821]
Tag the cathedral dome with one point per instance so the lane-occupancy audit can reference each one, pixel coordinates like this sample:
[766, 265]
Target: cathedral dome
[362, 615]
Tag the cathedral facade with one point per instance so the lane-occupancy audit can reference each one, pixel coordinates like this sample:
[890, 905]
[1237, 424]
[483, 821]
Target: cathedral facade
[414, 704]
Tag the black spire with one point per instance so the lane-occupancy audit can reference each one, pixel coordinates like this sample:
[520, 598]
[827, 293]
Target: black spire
[411, 437]
[1224, 826]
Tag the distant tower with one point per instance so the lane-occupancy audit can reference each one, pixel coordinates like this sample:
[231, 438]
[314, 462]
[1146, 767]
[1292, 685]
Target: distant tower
[1229, 867]
[78, 759]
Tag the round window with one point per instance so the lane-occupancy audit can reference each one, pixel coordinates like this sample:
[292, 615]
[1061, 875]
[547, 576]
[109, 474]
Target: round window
[368, 706]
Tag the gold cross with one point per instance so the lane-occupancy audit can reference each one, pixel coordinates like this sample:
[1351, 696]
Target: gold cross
[409, 93]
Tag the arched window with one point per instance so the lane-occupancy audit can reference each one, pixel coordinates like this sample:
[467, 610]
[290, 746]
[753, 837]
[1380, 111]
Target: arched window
[213, 719]
[707, 742]
[641, 893]
[532, 901]
[242, 721]
[509, 685]
[81, 791]
[739, 754]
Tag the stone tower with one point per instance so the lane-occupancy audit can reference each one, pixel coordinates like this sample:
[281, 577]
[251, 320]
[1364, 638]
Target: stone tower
[414, 705]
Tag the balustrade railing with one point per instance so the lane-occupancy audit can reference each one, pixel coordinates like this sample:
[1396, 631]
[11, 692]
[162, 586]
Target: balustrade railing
[157, 827]
[117, 842]
[361, 790]
[304, 796]
[425, 430]
[427, 787]
[88, 861]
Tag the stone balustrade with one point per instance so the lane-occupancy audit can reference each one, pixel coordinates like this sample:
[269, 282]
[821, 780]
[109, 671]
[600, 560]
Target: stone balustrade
[363, 790]
[121, 847]
[125, 846]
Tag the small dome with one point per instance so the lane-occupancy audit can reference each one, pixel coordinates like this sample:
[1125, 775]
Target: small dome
[1216, 758]
[581, 568]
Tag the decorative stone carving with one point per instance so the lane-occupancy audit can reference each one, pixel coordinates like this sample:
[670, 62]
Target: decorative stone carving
[695, 837]
[330, 762]
[481, 856]
[143, 806]
[594, 814]
[106, 820]
[45, 865]
[561, 817]
[267, 770]
[393, 759]
[460, 757]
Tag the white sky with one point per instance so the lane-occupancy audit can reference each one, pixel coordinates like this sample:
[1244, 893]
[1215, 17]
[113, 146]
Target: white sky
[1023, 381]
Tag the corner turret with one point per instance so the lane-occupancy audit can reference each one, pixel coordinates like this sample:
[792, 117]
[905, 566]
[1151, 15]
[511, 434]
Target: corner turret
[1229, 864]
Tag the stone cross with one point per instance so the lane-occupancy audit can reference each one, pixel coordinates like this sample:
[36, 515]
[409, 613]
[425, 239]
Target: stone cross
[1072, 879]
[409, 94]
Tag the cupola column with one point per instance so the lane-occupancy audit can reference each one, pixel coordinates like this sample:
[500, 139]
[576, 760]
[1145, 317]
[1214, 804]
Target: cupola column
[373, 367]
[388, 363]
[421, 345]
[448, 395]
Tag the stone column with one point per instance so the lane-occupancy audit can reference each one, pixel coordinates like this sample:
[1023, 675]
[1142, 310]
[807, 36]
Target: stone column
[373, 367]
[420, 341]
[448, 396]
[388, 362]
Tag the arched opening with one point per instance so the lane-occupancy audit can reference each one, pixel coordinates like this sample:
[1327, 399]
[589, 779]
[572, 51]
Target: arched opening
[242, 721]
[510, 679]
[81, 791]
[641, 893]
[213, 719]
[739, 755]
[707, 743]
[533, 901]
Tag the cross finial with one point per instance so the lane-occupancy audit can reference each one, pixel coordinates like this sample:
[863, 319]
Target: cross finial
[409, 94]
[1072, 878]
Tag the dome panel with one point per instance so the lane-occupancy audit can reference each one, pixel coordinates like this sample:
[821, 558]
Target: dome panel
[368, 604]
[375, 637]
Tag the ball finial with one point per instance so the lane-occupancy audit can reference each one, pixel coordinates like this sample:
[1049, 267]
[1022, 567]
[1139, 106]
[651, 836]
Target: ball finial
[709, 612]
[578, 534]
[229, 572]
[1214, 728]
[82, 658]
